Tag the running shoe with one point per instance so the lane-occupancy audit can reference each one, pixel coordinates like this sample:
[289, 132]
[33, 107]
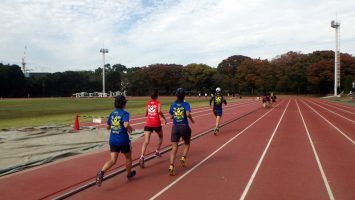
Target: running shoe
[183, 161]
[172, 170]
[157, 153]
[216, 131]
[131, 175]
[99, 178]
[141, 161]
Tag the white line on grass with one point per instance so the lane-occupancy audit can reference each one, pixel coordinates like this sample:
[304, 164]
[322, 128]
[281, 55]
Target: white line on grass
[340, 104]
[334, 112]
[337, 107]
[325, 180]
[346, 136]
[205, 159]
[245, 192]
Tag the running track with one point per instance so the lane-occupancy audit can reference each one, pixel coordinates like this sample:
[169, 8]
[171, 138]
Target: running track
[299, 149]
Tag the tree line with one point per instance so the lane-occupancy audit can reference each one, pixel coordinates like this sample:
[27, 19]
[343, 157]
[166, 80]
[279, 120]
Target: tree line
[291, 73]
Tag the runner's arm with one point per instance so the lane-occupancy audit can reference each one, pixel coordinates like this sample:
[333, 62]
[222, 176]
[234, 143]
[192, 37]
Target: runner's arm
[146, 110]
[108, 127]
[128, 127]
[161, 113]
[171, 113]
[211, 101]
[188, 114]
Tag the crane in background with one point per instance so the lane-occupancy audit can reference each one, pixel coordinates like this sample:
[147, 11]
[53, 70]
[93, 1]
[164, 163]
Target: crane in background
[24, 69]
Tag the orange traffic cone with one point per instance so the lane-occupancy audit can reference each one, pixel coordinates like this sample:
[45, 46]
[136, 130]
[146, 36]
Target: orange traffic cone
[76, 122]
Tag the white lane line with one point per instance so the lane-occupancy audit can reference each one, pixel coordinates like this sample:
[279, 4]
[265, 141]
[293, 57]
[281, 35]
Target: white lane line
[209, 156]
[339, 104]
[346, 136]
[209, 113]
[334, 112]
[325, 180]
[206, 109]
[203, 109]
[331, 105]
[246, 190]
[209, 110]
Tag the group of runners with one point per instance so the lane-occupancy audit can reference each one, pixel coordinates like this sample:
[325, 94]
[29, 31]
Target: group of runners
[180, 113]
[267, 99]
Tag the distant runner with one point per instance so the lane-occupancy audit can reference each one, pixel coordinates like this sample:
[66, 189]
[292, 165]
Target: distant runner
[180, 111]
[266, 100]
[273, 98]
[153, 113]
[118, 123]
[217, 100]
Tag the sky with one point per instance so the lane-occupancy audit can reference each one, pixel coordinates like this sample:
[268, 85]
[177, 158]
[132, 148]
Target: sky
[68, 34]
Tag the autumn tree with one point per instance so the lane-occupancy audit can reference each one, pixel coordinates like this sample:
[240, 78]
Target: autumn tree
[227, 71]
[165, 77]
[197, 77]
[12, 81]
[255, 74]
[290, 72]
[320, 76]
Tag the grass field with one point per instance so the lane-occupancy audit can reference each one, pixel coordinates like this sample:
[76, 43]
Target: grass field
[16, 113]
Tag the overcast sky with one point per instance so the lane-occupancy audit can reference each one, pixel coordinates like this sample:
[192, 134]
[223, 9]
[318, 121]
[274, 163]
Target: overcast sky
[68, 34]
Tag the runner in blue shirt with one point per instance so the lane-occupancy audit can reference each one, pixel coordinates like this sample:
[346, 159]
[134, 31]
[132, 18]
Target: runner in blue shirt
[118, 123]
[180, 111]
[217, 100]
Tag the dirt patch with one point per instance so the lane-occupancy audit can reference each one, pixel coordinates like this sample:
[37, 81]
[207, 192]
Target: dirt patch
[32, 146]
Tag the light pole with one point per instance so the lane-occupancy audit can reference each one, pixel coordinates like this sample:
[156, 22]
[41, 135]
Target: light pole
[103, 51]
[336, 25]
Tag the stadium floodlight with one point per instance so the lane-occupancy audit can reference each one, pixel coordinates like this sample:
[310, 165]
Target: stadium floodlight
[103, 51]
[336, 25]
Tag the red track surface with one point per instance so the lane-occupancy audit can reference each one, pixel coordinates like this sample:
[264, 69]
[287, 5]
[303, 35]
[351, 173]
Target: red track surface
[299, 149]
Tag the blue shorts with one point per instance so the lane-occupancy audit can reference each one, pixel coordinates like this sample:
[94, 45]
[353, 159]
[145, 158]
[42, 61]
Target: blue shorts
[122, 149]
[181, 131]
[217, 112]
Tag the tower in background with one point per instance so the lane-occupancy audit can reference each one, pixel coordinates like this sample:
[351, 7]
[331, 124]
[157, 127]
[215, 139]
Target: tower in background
[335, 24]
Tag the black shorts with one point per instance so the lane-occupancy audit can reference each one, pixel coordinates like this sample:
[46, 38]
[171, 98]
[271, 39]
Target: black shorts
[151, 129]
[122, 149]
[181, 131]
[217, 112]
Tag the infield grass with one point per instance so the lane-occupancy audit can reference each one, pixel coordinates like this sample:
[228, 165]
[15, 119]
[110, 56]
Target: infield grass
[16, 113]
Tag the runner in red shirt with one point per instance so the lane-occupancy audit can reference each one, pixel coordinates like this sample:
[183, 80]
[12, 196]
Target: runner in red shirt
[153, 113]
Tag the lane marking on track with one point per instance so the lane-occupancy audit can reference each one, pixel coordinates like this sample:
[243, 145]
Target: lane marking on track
[339, 104]
[334, 112]
[331, 105]
[206, 109]
[246, 190]
[208, 157]
[324, 177]
[198, 109]
[345, 135]
[209, 113]
[120, 170]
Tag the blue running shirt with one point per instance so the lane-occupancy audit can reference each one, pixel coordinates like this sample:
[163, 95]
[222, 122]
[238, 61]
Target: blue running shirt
[178, 112]
[118, 133]
[217, 102]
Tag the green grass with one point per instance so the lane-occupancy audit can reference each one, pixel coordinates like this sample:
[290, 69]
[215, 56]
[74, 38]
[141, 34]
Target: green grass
[343, 100]
[59, 111]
